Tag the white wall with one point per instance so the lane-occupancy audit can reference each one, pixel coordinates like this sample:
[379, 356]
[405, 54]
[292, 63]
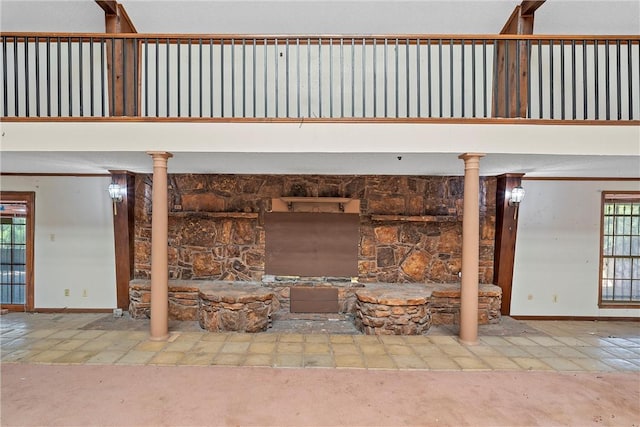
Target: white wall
[74, 246]
[558, 249]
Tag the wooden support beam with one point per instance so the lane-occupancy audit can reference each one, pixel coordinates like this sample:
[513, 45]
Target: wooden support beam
[123, 232]
[506, 230]
[510, 87]
[122, 61]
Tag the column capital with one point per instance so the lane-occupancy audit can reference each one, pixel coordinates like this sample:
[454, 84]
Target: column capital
[468, 156]
[160, 154]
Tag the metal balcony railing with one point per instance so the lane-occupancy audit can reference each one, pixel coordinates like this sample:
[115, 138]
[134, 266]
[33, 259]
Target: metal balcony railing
[321, 77]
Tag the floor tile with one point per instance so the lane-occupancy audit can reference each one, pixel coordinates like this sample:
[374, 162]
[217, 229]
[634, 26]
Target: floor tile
[41, 333]
[235, 347]
[501, 363]
[207, 346]
[105, 357]
[71, 344]
[373, 349]
[167, 358]
[75, 357]
[88, 335]
[290, 347]
[512, 351]
[392, 339]
[442, 363]
[376, 361]
[229, 359]
[455, 350]
[409, 362]
[339, 348]
[283, 360]
[215, 337]
[471, 363]
[341, 339]
[428, 350]
[180, 346]
[520, 341]
[489, 340]
[531, 364]
[316, 338]
[571, 341]
[265, 338]
[319, 361]
[442, 340]
[191, 358]
[95, 345]
[262, 347]
[566, 351]
[239, 337]
[620, 352]
[561, 364]
[484, 351]
[135, 357]
[622, 365]
[539, 351]
[544, 341]
[47, 356]
[151, 346]
[258, 360]
[349, 361]
[19, 355]
[593, 365]
[291, 338]
[397, 350]
[316, 348]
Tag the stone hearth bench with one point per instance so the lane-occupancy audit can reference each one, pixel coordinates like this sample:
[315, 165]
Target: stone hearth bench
[411, 309]
[218, 306]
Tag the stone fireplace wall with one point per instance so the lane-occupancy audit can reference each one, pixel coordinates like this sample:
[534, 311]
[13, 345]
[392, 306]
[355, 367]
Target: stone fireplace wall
[410, 226]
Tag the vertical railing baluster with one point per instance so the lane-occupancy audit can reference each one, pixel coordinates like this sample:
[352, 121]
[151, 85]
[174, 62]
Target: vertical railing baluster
[266, 84]
[37, 46]
[629, 73]
[59, 76]
[70, 75]
[80, 77]
[607, 91]
[397, 80]
[298, 76]
[211, 103]
[440, 113]
[15, 77]
[48, 50]
[136, 101]
[540, 97]
[473, 78]
[331, 77]
[91, 78]
[495, 78]
[451, 88]
[308, 77]
[573, 79]
[178, 76]
[244, 77]
[200, 71]
[485, 98]
[618, 80]
[168, 75]
[562, 84]
[287, 89]
[146, 77]
[103, 91]
[551, 99]
[341, 77]
[353, 75]
[462, 76]
[584, 79]
[407, 77]
[596, 76]
[386, 101]
[364, 74]
[157, 77]
[255, 47]
[319, 77]
[429, 72]
[233, 77]
[375, 78]
[26, 76]
[5, 77]
[418, 75]
[222, 77]
[189, 74]
[275, 56]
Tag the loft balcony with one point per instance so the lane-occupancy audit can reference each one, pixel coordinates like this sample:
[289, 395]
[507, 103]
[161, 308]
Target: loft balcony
[396, 78]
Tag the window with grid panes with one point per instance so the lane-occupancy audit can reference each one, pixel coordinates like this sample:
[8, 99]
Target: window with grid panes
[13, 245]
[620, 249]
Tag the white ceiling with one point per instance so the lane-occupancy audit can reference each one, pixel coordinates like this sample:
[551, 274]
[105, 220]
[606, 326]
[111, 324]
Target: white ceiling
[324, 17]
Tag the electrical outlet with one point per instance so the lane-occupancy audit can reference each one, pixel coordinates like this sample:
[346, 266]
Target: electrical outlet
[555, 297]
[67, 292]
[84, 293]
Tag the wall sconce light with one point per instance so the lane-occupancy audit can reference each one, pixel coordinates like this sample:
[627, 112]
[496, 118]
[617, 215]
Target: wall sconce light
[116, 193]
[515, 198]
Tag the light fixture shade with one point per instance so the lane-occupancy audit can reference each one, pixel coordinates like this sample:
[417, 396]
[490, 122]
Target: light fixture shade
[115, 192]
[517, 195]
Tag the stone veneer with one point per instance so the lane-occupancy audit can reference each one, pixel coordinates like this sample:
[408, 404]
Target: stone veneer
[378, 308]
[410, 226]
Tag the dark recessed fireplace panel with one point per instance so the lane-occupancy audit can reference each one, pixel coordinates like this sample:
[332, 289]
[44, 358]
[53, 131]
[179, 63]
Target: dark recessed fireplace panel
[311, 244]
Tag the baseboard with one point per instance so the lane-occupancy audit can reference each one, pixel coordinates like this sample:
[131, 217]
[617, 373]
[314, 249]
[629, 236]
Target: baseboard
[584, 318]
[72, 310]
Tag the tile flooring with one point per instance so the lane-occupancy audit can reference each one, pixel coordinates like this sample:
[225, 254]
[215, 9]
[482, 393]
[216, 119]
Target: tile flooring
[534, 345]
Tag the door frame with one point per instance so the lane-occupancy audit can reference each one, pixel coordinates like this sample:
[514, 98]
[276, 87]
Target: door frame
[29, 198]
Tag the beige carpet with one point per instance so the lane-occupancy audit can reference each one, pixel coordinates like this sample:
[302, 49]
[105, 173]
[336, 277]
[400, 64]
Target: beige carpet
[209, 396]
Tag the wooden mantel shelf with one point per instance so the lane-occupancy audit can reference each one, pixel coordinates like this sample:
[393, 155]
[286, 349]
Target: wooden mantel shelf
[247, 215]
[315, 204]
[416, 218]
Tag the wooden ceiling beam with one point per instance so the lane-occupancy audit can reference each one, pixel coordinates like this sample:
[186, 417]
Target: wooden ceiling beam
[109, 6]
[528, 7]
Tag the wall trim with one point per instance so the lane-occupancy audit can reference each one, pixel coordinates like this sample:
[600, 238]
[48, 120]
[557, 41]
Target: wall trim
[54, 174]
[72, 310]
[581, 318]
[576, 178]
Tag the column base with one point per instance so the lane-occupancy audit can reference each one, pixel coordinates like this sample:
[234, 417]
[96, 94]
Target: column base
[465, 342]
[160, 338]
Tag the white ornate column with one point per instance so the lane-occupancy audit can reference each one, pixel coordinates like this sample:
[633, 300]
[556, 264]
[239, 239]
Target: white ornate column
[159, 248]
[470, 249]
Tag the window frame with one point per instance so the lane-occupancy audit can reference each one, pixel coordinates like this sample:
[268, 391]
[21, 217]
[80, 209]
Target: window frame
[29, 198]
[608, 196]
